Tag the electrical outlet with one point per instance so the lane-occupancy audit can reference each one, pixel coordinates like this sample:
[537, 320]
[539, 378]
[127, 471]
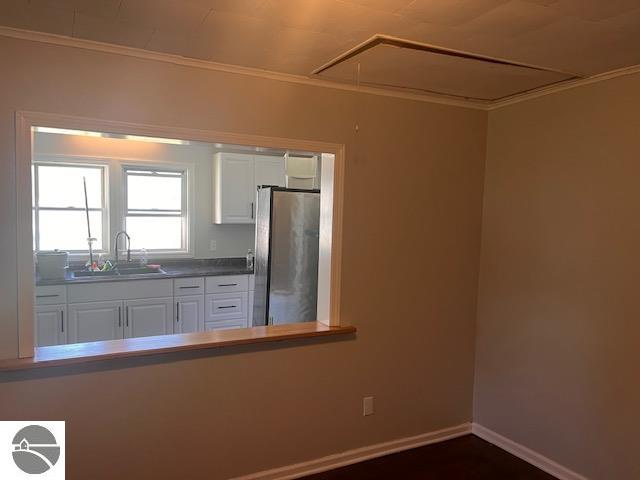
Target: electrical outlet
[367, 406]
[212, 245]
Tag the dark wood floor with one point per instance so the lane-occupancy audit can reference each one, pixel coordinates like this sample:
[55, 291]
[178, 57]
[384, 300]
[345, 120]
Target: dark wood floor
[464, 458]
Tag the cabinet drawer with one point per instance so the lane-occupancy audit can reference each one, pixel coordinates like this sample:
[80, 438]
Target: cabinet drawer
[51, 295]
[104, 291]
[188, 286]
[226, 306]
[227, 324]
[227, 283]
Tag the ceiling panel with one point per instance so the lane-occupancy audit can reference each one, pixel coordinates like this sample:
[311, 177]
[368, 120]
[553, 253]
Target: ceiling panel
[595, 10]
[345, 19]
[390, 6]
[21, 14]
[111, 31]
[408, 68]
[572, 44]
[100, 8]
[450, 12]
[511, 19]
[239, 7]
[171, 15]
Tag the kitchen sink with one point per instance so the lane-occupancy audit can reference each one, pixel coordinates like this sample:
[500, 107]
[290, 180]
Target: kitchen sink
[86, 273]
[119, 271]
[124, 270]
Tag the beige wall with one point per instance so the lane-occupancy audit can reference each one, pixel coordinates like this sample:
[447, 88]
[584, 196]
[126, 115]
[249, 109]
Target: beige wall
[558, 344]
[412, 211]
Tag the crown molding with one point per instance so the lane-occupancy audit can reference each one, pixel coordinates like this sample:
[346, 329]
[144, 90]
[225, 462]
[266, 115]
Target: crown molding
[62, 40]
[442, 99]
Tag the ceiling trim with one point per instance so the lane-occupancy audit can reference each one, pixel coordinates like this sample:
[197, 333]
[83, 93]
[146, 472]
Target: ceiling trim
[61, 40]
[402, 43]
[568, 85]
[380, 39]
[66, 41]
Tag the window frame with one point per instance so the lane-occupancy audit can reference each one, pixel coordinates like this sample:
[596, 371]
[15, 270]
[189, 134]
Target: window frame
[186, 171]
[331, 218]
[72, 162]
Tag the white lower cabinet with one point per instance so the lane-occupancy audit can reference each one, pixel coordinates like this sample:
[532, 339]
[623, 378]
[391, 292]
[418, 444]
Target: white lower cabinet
[51, 325]
[147, 317]
[118, 310]
[226, 310]
[189, 316]
[95, 321]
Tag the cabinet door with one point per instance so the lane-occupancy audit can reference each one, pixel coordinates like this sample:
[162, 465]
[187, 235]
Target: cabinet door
[235, 188]
[269, 170]
[51, 325]
[95, 321]
[189, 314]
[150, 316]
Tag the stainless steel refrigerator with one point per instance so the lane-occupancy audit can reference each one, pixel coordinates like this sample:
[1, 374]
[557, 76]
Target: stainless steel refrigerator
[286, 261]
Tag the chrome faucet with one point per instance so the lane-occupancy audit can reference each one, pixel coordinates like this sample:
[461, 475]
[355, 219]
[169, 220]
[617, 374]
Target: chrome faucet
[128, 245]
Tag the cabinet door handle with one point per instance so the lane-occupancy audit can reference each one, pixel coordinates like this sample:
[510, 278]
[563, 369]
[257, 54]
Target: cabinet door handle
[126, 316]
[177, 311]
[228, 306]
[227, 284]
[62, 319]
[48, 296]
[191, 286]
[252, 210]
[119, 316]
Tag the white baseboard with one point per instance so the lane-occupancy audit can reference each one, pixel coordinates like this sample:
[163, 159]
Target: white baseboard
[526, 454]
[358, 455]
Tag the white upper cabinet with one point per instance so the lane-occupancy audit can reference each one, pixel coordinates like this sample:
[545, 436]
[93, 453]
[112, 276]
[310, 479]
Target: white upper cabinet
[235, 178]
[233, 188]
[269, 170]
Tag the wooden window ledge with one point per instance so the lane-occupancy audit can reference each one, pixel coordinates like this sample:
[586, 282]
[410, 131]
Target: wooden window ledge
[134, 347]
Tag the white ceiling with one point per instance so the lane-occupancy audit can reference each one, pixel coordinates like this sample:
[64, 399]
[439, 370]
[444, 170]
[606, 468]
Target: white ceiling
[584, 37]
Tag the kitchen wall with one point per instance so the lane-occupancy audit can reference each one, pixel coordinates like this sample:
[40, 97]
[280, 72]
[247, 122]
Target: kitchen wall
[411, 242]
[231, 240]
[558, 334]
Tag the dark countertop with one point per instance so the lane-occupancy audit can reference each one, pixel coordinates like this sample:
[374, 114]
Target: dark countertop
[209, 267]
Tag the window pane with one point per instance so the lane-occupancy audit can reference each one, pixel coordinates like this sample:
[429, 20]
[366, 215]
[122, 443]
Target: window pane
[67, 230]
[155, 233]
[146, 192]
[61, 186]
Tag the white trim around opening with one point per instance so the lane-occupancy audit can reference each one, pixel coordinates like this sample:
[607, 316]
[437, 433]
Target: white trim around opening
[332, 185]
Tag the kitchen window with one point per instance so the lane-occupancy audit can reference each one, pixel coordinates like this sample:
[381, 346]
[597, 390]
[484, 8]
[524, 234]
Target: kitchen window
[59, 217]
[156, 209]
